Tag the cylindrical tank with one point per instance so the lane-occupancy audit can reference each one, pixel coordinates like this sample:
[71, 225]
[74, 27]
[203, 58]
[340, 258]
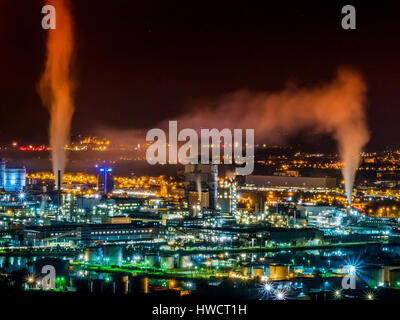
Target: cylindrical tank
[246, 270]
[113, 255]
[278, 272]
[257, 272]
[373, 275]
[14, 179]
[94, 255]
[394, 278]
[184, 262]
[167, 262]
[150, 260]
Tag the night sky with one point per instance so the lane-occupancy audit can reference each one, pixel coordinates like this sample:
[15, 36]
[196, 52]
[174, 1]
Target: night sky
[140, 62]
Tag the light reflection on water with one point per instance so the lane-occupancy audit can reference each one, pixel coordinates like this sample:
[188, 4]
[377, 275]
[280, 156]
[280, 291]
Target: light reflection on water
[14, 263]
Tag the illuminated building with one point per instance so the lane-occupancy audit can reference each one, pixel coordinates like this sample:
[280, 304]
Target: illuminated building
[199, 179]
[121, 232]
[227, 196]
[116, 220]
[19, 236]
[94, 232]
[325, 219]
[200, 199]
[105, 181]
[69, 205]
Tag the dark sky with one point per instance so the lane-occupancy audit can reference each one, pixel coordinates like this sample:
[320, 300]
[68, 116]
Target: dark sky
[139, 62]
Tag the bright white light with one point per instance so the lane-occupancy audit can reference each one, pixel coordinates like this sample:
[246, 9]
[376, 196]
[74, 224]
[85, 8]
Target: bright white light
[21, 195]
[353, 265]
[352, 269]
[280, 295]
[267, 287]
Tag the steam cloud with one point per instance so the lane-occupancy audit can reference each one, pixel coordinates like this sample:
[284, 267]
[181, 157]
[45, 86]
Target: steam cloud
[56, 85]
[336, 108]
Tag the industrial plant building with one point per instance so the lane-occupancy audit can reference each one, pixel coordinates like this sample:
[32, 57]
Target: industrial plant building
[227, 196]
[12, 179]
[201, 187]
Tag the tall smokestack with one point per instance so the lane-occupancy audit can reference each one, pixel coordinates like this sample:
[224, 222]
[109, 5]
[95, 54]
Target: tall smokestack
[56, 85]
[198, 185]
[59, 193]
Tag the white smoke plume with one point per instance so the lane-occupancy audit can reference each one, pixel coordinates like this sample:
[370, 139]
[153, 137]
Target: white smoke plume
[336, 108]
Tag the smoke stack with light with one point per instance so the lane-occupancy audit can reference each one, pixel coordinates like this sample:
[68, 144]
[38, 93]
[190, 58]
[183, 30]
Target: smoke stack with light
[58, 194]
[198, 184]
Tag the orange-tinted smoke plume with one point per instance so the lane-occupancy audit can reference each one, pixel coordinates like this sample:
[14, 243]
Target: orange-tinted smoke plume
[56, 85]
[336, 108]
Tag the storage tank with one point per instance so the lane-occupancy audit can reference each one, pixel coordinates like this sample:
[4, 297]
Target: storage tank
[150, 260]
[246, 271]
[278, 272]
[167, 262]
[373, 275]
[184, 262]
[394, 278]
[257, 272]
[113, 255]
[94, 255]
[14, 179]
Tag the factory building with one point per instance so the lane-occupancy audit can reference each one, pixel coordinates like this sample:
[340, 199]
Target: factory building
[201, 187]
[135, 231]
[12, 179]
[227, 196]
[289, 182]
[121, 232]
